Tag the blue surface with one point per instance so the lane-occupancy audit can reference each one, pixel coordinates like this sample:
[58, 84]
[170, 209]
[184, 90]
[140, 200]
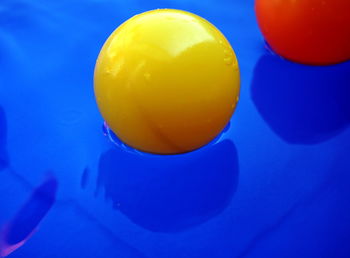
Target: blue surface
[275, 184]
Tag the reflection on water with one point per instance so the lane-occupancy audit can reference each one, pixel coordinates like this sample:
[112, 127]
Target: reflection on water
[85, 178]
[302, 104]
[3, 140]
[107, 131]
[26, 221]
[170, 193]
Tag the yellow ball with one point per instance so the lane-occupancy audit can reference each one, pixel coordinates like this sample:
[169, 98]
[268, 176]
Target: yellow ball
[167, 81]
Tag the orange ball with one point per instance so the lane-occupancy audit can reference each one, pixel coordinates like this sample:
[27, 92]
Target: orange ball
[313, 32]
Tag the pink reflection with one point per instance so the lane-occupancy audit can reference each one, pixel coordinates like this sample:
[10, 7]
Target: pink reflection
[26, 221]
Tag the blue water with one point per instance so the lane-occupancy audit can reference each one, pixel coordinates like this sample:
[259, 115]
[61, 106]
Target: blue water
[274, 184]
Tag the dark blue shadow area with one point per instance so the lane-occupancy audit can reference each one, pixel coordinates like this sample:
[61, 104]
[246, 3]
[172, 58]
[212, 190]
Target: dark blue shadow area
[302, 104]
[27, 219]
[170, 193]
[85, 178]
[3, 140]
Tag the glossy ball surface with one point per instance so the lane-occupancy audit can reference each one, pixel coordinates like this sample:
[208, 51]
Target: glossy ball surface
[315, 32]
[166, 81]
